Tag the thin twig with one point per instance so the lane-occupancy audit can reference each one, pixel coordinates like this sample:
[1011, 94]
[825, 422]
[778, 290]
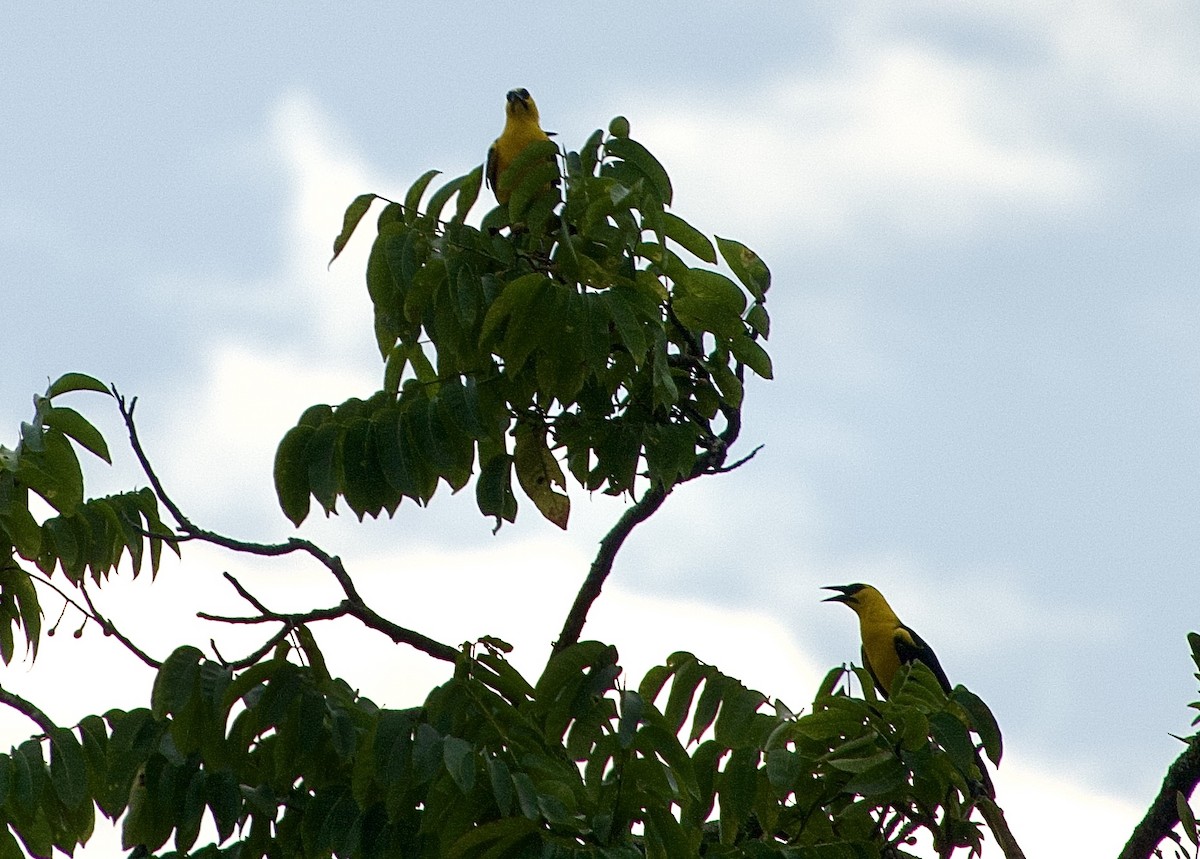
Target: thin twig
[245, 594]
[110, 628]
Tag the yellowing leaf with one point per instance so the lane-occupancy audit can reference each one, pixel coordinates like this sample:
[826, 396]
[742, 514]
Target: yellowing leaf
[538, 472]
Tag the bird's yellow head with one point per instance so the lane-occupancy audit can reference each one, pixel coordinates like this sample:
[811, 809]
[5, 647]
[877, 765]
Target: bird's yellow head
[519, 105]
[858, 596]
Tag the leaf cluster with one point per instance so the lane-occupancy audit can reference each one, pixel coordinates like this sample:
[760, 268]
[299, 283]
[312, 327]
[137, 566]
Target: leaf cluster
[288, 761]
[81, 537]
[581, 324]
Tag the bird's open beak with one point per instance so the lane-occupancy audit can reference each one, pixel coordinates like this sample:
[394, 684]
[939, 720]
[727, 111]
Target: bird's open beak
[843, 595]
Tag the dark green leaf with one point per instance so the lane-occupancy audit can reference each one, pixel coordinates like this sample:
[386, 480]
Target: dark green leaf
[459, 759]
[982, 721]
[321, 453]
[188, 824]
[647, 165]
[68, 768]
[291, 473]
[75, 382]
[412, 200]
[79, 428]
[689, 237]
[468, 193]
[441, 196]
[176, 681]
[885, 777]
[354, 214]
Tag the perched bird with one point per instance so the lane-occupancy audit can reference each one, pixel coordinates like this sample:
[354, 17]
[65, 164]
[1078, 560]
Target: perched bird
[522, 126]
[886, 642]
[886, 645]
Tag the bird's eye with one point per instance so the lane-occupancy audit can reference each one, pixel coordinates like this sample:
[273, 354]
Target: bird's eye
[524, 93]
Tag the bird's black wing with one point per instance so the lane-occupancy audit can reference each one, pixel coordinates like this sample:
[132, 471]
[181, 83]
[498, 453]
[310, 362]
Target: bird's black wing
[910, 647]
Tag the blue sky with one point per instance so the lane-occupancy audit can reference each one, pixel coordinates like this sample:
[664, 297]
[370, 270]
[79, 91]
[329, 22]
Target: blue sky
[982, 226]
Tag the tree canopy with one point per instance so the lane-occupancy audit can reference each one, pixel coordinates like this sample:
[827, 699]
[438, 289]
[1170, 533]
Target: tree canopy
[584, 325]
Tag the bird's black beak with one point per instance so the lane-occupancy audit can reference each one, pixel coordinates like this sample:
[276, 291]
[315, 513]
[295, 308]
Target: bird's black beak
[843, 595]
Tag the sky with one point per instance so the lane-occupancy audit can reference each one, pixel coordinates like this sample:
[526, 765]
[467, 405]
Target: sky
[982, 224]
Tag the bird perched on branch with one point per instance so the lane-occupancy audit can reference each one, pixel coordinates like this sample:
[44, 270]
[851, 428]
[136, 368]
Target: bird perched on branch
[886, 645]
[522, 126]
[886, 642]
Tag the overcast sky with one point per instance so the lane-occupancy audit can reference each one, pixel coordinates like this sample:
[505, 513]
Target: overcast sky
[982, 226]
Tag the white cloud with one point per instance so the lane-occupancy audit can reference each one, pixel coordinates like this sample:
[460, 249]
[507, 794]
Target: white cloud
[1051, 815]
[904, 140]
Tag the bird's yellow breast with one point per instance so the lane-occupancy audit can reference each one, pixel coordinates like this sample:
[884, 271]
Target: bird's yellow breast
[879, 647]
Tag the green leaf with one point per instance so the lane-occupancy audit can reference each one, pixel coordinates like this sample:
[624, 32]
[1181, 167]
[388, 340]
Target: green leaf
[437, 202]
[78, 427]
[75, 382]
[68, 768]
[1187, 820]
[647, 165]
[694, 241]
[412, 200]
[468, 193]
[759, 321]
[951, 735]
[688, 677]
[321, 453]
[54, 473]
[21, 529]
[291, 473]
[881, 778]
[192, 812]
[982, 721]
[224, 799]
[709, 301]
[15, 581]
[747, 267]
[666, 394]
[493, 487]
[175, 683]
[459, 759]
[515, 296]
[754, 356]
[354, 214]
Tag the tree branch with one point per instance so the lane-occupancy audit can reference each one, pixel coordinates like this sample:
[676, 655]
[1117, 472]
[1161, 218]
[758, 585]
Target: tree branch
[28, 709]
[602, 565]
[1162, 816]
[712, 461]
[353, 605]
[111, 629]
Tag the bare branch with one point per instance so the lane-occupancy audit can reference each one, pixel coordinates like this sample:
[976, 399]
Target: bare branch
[602, 565]
[353, 605]
[245, 594]
[111, 629]
[1162, 816]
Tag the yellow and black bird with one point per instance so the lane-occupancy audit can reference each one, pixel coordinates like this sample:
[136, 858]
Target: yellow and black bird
[886, 642]
[522, 126]
[886, 645]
